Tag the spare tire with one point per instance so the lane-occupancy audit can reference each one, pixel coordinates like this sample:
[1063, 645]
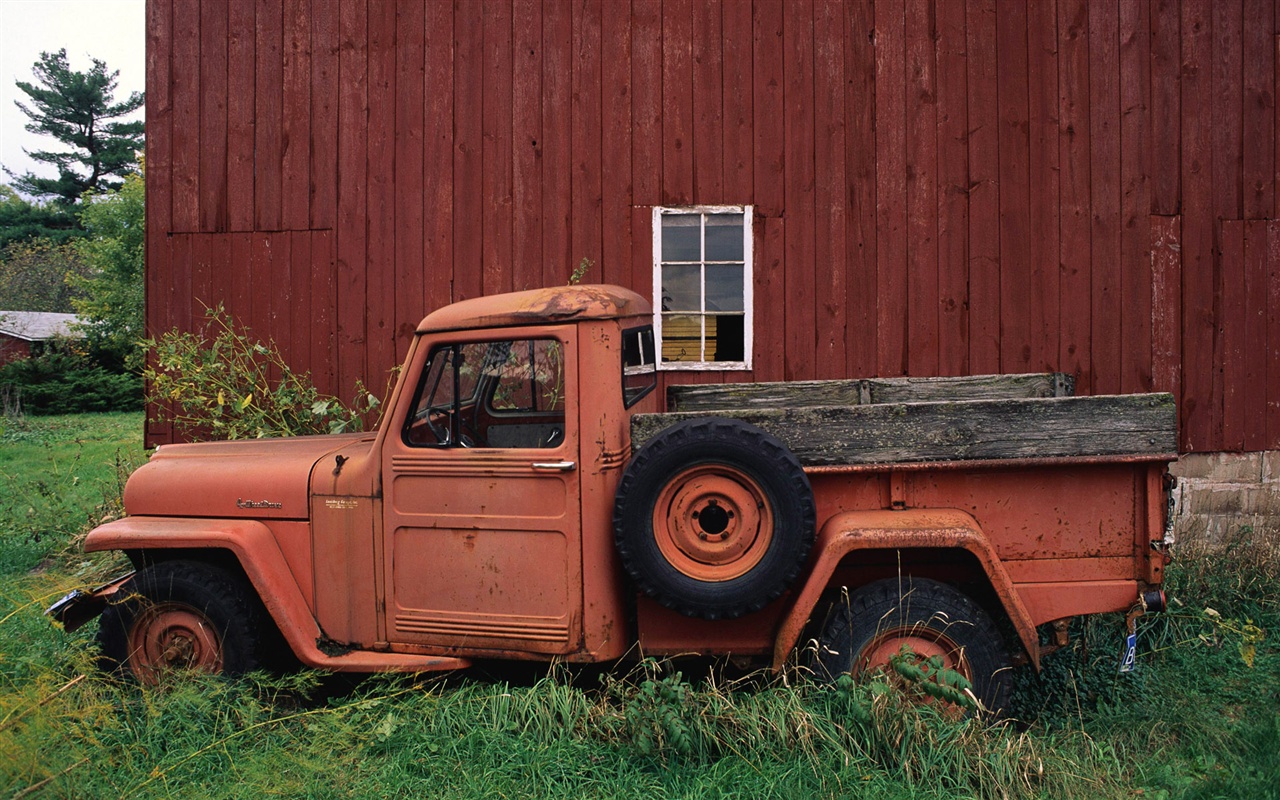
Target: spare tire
[714, 518]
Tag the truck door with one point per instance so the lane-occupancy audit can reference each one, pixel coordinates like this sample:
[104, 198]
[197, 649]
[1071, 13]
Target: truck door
[481, 499]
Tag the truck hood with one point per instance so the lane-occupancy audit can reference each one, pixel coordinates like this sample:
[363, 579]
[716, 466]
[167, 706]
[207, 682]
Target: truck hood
[257, 478]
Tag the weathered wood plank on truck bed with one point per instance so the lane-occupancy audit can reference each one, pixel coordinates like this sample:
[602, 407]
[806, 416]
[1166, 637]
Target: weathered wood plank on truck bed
[800, 394]
[1032, 428]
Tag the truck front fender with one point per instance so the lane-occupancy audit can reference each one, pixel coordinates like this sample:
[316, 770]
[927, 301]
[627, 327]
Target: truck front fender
[951, 529]
[252, 544]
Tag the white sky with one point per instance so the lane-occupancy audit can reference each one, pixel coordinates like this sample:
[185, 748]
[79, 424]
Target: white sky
[113, 31]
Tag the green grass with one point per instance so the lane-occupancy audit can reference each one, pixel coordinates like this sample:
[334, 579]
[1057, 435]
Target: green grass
[1196, 720]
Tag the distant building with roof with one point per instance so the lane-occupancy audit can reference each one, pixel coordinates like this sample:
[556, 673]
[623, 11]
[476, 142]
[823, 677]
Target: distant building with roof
[24, 333]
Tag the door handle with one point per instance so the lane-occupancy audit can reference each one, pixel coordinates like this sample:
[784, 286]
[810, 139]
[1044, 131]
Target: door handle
[555, 466]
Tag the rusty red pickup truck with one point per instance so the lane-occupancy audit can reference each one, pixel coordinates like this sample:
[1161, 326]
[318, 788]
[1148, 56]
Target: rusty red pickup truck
[525, 497]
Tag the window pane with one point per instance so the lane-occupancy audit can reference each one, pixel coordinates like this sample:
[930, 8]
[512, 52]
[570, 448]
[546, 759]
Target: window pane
[680, 237]
[727, 344]
[724, 237]
[681, 338]
[507, 394]
[724, 287]
[639, 370]
[680, 288]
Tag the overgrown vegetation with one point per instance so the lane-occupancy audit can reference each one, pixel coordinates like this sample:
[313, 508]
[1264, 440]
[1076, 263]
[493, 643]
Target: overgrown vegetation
[223, 384]
[109, 294]
[64, 379]
[1195, 721]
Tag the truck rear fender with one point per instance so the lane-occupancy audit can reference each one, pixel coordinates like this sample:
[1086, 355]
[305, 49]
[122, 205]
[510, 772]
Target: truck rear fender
[850, 531]
[252, 545]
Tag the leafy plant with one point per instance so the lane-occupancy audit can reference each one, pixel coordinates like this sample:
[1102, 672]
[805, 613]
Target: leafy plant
[109, 291]
[66, 380]
[232, 386]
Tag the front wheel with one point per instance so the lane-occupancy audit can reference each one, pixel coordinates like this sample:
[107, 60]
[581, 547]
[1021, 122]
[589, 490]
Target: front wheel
[180, 615]
[927, 630]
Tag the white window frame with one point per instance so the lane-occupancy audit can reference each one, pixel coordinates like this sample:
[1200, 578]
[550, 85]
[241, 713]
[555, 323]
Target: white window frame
[748, 300]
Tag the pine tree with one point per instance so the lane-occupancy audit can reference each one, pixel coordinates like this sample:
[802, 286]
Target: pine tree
[79, 110]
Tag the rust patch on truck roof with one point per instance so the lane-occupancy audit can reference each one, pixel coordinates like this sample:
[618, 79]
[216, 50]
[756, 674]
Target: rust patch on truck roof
[538, 306]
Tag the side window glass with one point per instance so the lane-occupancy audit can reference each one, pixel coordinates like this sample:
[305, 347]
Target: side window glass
[495, 394]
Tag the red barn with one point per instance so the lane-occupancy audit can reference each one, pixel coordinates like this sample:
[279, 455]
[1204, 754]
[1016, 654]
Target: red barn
[816, 188]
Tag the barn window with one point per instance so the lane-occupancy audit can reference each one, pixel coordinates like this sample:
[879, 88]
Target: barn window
[702, 278]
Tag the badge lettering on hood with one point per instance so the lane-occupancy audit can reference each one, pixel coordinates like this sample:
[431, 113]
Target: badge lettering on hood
[257, 504]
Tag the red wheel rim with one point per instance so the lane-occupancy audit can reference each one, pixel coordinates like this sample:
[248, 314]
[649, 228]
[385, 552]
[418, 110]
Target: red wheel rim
[170, 636]
[924, 642]
[712, 523]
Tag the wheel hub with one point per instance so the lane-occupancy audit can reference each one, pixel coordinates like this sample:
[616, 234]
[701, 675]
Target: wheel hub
[170, 636]
[712, 523]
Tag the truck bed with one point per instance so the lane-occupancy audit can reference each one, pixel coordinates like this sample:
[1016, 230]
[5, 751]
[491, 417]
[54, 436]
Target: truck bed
[868, 423]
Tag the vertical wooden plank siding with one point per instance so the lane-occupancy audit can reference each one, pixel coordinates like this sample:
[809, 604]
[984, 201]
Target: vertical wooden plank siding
[1074, 181]
[891, 189]
[557, 49]
[1043, 184]
[1199, 425]
[268, 114]
[526, 149]
[1166, 106]
[1104, 235]
[496, 155]
[862, 338]
[1015, 190]
[708, 103]
[212, 199]
[241, 128]
[295, 177]
[1227, 72]
[409, 175]
[615, 151]
[304, 297]
[769, 275]
[1259, 109]
[677, 102]
[737, 55]
[159, 218]
[1273, 334]
[438, 105]
[323, 162]
[1166, 304]
[1135, 197]
[185, 130]
[831, 274]
[940, 188]
[953, 190]
[586, 187]
[468, 145]
[202, 280]
[353, 109]
[381, 155]
[1233, 333]
[984, 189]
[798, 133]
[922, 189]
[277, 276]
[1256, 350]
[324, 316]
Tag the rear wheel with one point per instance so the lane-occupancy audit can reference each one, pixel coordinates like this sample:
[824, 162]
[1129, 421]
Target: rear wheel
[180, 615]
[921, 628]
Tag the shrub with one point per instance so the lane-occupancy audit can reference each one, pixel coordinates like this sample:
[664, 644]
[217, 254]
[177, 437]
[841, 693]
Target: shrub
[232, 386]
[62, 380]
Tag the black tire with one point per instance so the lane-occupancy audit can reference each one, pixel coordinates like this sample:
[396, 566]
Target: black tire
[180, 615]
[879, 616]
[714, 518]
